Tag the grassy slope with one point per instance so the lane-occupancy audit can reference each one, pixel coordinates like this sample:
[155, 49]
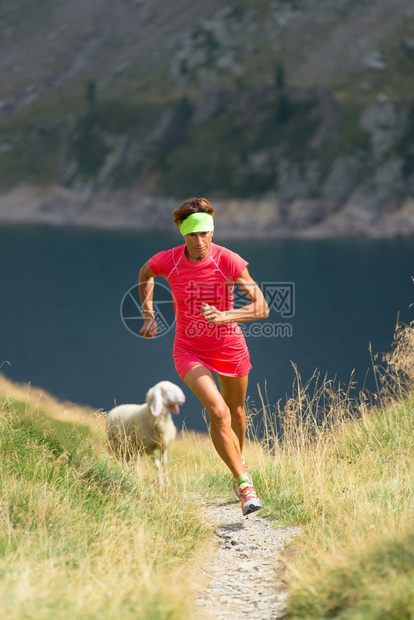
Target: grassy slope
[80, 536]
[349, 482]
[83, 536]
[354, 492]
[127, 50]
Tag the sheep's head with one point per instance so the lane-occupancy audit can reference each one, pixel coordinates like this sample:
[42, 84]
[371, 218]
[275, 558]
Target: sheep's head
[165, 395]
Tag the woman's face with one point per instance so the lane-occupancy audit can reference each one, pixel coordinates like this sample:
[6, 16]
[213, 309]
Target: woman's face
[198, 244]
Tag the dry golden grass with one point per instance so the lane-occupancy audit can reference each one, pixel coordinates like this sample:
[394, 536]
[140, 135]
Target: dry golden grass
[343, 467]
[58, 409]
[82, 536]
[338, 464]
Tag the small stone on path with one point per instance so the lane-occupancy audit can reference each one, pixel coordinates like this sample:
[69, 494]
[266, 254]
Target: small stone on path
[242, 571]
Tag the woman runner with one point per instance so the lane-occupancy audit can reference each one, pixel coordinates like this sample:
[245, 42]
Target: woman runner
[208, 339]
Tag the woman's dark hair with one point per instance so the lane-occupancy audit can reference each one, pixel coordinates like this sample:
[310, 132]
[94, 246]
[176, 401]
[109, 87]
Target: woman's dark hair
[189, 206]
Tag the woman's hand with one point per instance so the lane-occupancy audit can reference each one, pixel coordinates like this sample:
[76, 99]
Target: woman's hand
[212, 315]
[149, 329]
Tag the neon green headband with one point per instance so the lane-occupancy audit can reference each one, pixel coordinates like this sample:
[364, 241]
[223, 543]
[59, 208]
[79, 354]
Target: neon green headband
[197, 222]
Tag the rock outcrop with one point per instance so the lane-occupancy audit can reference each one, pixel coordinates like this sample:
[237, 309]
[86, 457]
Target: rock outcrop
[298, 115]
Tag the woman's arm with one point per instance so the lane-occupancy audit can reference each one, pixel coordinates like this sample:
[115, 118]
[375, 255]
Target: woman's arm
[257, 309]
[146, 292]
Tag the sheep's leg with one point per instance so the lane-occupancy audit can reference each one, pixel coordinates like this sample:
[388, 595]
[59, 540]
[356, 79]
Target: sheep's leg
[164, 458]
[157, 464]
[137, 459]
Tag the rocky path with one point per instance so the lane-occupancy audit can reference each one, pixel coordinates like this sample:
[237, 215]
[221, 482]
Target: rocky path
[242, 573]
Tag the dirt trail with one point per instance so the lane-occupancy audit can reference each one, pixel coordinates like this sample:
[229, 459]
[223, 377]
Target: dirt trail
[244, 572]
[242, 578]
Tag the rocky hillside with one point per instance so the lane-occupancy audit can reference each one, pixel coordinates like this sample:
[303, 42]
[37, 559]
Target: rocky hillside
[301, 111]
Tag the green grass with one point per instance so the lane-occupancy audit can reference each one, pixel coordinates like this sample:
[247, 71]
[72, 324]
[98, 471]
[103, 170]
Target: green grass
[214, 157]
[39, 135]
[81, 536]
[85, 537]
[348, 481]
[351, 134]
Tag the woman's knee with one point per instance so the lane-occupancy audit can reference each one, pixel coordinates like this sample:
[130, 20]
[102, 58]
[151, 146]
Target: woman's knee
[219, 414]
[237, 413]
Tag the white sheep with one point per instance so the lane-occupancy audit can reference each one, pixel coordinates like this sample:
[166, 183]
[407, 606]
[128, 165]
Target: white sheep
[134, 429]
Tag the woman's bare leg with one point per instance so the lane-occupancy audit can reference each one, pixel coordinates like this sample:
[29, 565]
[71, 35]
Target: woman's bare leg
[200, 380]
[233, 390]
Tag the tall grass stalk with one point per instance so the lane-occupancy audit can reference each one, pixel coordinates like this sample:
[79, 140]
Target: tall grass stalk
[83, 537]
[343, 467]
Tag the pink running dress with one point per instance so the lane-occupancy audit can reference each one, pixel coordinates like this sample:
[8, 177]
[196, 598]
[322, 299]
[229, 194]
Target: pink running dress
[220, 348]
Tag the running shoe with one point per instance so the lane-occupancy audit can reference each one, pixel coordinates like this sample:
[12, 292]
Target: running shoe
[249, 500]
[235, 487]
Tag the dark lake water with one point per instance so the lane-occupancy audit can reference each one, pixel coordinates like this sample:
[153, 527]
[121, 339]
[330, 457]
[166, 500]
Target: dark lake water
[61, 329]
